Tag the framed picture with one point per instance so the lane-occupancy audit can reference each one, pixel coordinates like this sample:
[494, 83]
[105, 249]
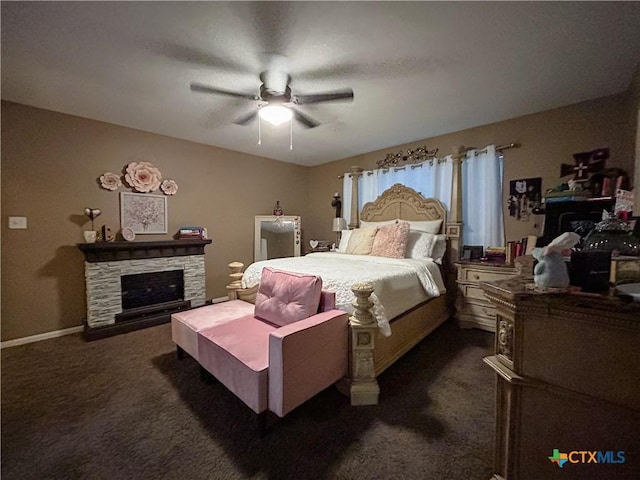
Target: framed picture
[524, 196]
[143, 213]
[472, 252]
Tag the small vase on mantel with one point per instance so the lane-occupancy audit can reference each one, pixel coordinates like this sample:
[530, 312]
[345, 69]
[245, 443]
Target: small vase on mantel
[277, 210]
[90, 236]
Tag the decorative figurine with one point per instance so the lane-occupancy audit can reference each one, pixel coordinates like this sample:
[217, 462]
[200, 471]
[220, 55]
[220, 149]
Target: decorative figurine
[551, 270]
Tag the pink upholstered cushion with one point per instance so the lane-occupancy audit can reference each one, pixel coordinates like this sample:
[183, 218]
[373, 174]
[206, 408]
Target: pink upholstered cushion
[286, 297]
[237, 354]
[391, 240]
[186, 325]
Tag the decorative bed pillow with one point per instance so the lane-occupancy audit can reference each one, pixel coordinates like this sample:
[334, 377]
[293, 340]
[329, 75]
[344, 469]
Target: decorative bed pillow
[344, 241]
[364, 224]
[439, 248]
[361, 241]
[287, 297]
[429, 226]
[426, 245]
[391, 240]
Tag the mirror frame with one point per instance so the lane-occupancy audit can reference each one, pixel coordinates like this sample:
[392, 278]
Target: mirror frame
[257, 243]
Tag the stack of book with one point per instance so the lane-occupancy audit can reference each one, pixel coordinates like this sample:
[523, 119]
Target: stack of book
[495, 254]
[186, 233]
[521, 247]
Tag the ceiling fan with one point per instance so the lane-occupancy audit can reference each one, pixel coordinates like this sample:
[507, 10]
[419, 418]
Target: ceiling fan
[277, 102]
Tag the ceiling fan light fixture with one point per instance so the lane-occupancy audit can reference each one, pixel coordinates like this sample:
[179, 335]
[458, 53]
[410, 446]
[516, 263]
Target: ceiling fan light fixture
[275, 114]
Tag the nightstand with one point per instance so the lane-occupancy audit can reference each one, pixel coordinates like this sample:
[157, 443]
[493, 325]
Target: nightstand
[473, 309]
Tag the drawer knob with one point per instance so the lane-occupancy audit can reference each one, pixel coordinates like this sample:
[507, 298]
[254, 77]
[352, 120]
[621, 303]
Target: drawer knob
[476, 276]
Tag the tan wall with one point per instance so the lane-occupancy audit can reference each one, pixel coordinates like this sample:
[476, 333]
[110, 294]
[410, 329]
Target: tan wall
[548, 139]
[50, 163]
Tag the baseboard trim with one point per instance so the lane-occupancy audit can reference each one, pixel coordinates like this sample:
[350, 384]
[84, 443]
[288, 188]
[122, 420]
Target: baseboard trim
[41, 336]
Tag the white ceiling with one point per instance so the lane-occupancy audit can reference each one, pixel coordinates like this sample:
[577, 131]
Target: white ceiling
[418, 69]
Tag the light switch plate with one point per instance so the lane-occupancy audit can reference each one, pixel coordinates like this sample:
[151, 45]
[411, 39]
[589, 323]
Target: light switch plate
[18, 223]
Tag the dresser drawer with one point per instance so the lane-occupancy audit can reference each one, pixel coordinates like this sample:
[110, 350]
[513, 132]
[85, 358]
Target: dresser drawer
[479, 310]
[470, 290]
[476, 275]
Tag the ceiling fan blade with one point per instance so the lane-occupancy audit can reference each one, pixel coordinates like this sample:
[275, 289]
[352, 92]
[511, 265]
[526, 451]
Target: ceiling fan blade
[243, 120]
[323, 97]
[306, 120]
[198, 87]
[200, 57]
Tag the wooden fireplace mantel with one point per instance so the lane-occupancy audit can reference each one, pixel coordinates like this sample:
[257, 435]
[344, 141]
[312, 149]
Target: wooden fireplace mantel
[114, 251]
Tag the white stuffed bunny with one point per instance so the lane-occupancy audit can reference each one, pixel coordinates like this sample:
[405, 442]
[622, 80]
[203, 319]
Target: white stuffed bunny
[551, 270]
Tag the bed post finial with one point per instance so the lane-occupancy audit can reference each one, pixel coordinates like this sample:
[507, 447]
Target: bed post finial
[236, 279]
[364, 389]
[354, 221]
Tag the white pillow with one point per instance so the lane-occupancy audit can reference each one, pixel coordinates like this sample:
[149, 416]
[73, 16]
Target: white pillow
[439, 248]
[364, 224]
[344, 241]
[429, 226]
[426, 245]
[361, 240]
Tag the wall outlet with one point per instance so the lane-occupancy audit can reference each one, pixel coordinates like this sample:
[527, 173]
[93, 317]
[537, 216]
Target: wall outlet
[18, 223]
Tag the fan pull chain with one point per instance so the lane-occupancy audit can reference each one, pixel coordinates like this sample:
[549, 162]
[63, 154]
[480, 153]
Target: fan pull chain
[259, 132]
[291, 134]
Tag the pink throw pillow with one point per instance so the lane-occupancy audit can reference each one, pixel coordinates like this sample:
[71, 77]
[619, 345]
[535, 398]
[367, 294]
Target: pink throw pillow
[391, 240]
[286, 297]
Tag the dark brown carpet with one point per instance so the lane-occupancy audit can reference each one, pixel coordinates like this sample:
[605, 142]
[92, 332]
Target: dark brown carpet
[125, 408]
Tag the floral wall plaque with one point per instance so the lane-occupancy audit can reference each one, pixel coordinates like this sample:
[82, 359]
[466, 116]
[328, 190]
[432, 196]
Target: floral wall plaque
[143, 213]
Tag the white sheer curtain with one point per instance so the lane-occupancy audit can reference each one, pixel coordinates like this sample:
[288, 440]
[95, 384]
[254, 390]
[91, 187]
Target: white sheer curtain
[431, 179]
[346, 198]
[482, 220]
[481, 191]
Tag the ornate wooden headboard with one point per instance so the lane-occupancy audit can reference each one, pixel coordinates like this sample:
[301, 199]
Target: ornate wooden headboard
[404, 203]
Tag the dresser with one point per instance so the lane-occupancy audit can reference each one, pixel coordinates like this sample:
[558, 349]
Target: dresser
[473, 309]
[568, 384]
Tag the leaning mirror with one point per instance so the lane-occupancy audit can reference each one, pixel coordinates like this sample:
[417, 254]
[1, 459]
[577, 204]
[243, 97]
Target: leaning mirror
[276, 237]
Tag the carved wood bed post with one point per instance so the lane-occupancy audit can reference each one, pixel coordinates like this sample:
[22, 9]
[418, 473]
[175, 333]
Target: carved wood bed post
[454, 225]
[236, 279]
[364, 389]
[354, 221]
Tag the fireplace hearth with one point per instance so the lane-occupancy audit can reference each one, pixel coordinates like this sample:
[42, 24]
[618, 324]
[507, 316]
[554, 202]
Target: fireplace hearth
[132, 285]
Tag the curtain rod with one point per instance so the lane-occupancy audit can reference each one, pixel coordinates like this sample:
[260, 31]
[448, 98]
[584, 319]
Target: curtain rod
[499, 148]
[508, 146]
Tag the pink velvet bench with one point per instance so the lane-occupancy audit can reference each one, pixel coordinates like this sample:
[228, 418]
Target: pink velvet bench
[186, 325]
[289, 347]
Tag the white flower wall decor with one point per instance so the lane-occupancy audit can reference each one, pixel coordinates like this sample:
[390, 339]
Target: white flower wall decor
[142, 177]
[169, 187]
[110, 181]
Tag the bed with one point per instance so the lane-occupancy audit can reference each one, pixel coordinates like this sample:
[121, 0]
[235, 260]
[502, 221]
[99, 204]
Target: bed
[389, 314]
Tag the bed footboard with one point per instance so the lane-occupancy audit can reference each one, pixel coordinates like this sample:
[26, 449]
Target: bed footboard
[361, 385]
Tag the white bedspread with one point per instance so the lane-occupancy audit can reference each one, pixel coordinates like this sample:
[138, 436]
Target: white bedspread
[400, 284]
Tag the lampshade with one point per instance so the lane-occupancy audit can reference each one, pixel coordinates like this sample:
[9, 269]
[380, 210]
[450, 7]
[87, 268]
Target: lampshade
[339, 224]
[275, 114]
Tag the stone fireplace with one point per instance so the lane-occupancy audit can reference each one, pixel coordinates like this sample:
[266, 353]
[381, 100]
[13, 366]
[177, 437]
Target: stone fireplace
[133, 285]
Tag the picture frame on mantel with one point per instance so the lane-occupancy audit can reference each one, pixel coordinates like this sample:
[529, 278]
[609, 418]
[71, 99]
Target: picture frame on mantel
[144, 213]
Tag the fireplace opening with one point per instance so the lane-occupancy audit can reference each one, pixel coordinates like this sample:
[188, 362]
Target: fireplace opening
[154, 293]
[144, 289]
